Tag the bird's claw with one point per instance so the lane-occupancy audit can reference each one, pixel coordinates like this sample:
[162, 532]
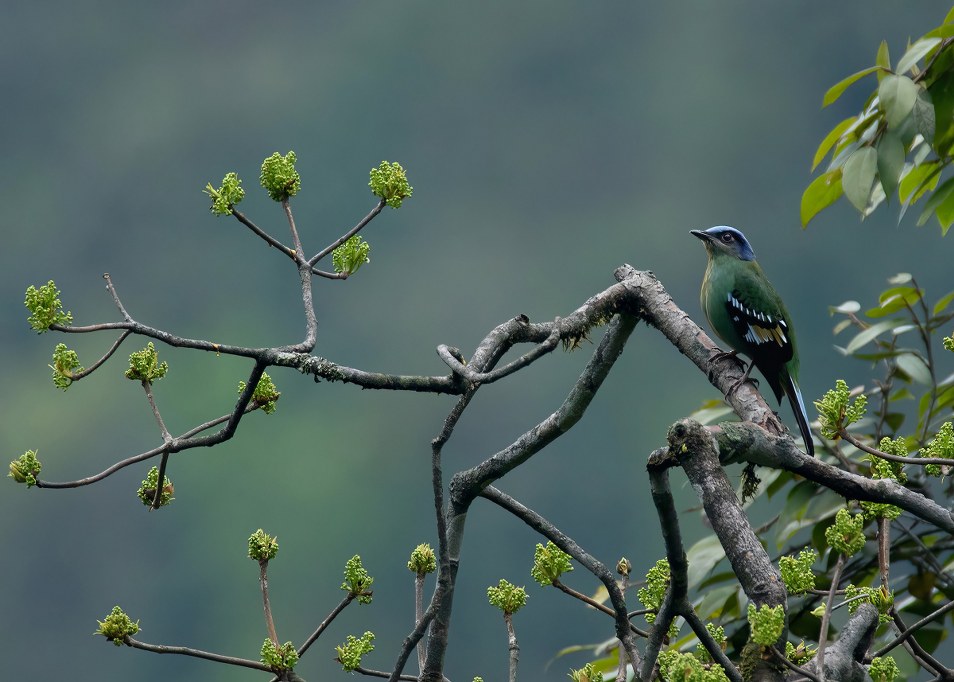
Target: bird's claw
[724, 355]
[745, 378]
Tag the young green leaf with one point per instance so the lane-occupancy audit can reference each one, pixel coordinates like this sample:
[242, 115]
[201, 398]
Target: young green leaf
[858, 176]
[835, 91]
[821, 193]
[890, 162]
[940, 195]
[924, 116]
[945, 214]
[943, 303]
[914, 367]
[869, 334]
[883, 59]
[919, 180]
[894, 299]
[916, 52]
[897, 95]
[830, 139]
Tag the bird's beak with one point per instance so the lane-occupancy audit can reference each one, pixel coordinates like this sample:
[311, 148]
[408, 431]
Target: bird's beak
[704, 236]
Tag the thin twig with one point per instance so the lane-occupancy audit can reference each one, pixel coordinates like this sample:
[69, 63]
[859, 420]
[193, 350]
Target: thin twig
[325, 623]
[826, 617]
[147, 387]
[444, 567]
[512, 646]
[624, 629]
[781, 658]
[197, 653]
[296, 240]
[92, 368]
[138, 458]
[263, 583]
[918, 653]
[884, 551]
[499, 373]
[623, 567]
[419, 616]
[347, 235]
[380, 673]
[264, 235]
[893, 458]
[595, 604]
[160, 482]
[115, 296]
[908, 630]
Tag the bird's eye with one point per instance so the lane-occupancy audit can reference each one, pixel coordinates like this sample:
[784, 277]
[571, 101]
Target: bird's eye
[727, 237]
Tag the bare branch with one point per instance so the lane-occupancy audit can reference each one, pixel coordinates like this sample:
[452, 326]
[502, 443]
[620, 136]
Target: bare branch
[271, 241]
[624, 629]
[347, 235]
[197, 653]
[263, 584]
[112, 349]
[140, 457]
[741, 441]
[380, 673]
[676, 601]
[908, 631]
[893, 458]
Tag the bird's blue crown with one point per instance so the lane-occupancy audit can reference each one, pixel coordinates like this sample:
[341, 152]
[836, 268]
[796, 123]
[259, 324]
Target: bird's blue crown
[735, 240]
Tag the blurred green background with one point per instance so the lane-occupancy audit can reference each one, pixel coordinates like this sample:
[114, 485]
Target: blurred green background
[547, 143]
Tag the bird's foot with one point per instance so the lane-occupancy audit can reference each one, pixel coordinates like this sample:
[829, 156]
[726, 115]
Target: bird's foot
[745, 378]
[724, 355]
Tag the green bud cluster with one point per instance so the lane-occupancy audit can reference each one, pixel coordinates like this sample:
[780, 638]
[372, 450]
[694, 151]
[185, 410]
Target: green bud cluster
[766, 623]
[717, 633]
[886, 469]
[588, 673]
[389, 182]
[507, 597]
[357, 580]
[279, 177]
[25, 468]
[144, 365]
[675, 666]
[801, 654]
[350, 653]
[351, 255]
[657, 580]
[549, 563]
[45, 307]
[265, 394]
[942, 445]
[65, 366]
[878, 597]
[279, 658]
[883, 669]
[117, 626]
[797, 571]
[262, 546]
[845, 535]
[227, 195]
[147, 491]
[835, 412]
[422, 560]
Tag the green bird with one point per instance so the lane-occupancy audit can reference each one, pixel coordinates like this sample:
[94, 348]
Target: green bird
[746, 312]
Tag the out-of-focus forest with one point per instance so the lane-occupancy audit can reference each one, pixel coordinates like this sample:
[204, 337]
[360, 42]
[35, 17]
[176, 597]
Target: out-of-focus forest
[547, 143]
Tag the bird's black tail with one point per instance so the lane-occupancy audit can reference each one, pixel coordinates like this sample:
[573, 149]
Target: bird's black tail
[798, 407]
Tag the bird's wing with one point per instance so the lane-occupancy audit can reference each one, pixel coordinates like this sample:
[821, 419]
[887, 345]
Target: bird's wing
[764, 328]
[759, 319]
